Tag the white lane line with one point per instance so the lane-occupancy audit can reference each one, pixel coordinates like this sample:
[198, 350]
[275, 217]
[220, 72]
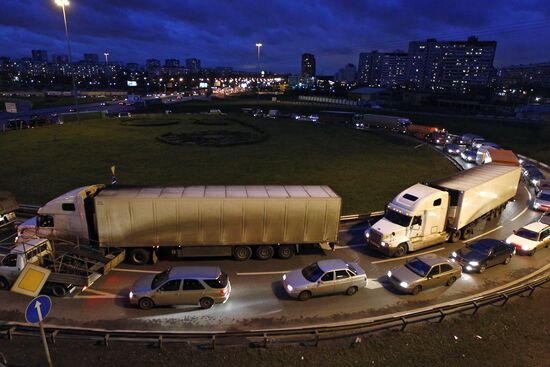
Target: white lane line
[406, 257]
[483, 234]
[95, 291]
[10, 236]
[136, 271]
[528, 192]
[112, 296]
[418, 146]
[265, 273]
[374, 284]
[343, 247]
[270, 312]
[519, 215]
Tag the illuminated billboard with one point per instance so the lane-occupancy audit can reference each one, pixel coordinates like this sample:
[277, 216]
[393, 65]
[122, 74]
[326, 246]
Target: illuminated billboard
[131, 83]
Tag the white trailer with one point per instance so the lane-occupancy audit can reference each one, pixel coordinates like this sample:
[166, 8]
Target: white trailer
[446, 209]
[394, 123]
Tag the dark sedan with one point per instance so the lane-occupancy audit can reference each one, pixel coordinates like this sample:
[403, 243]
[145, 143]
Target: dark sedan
[482, 254]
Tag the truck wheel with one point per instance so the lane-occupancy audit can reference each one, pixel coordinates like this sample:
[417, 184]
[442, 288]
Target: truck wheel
[242, 253]
[146, 303]
[206, 303]
[401, 250]
[4, 283]
[264, 252]
[59, 290]
[467, 233]
[140, 256]
[304, 295]
[285, 251]
[455, 236]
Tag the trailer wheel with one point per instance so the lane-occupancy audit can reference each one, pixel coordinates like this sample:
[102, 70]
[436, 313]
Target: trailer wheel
[140, 256]
[286, 251]
[242, 253]
[264, 252]
[467, 233]
[4, 284]
[455, 236]
[59, 290]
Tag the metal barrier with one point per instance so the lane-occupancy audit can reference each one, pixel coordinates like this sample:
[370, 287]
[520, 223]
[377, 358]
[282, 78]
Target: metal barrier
[306, 335]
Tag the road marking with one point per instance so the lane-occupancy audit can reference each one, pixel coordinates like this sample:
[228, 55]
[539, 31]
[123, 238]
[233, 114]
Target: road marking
[265, 273]
[111, 296]
[374, 284]
[271, 312]
[418, 146]
[343, 247]
[136, 271]
[7, 238]
[101, 293]
[483, 234]
[519, 215]
[406, 257]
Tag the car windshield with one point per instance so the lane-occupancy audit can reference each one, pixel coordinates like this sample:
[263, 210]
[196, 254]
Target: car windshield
[418, 266]
[398, 218]
[544, 196]
[530, 235]
[312, 272]
[478, 248]
[219, 282]
[352, 269]
[159, 279]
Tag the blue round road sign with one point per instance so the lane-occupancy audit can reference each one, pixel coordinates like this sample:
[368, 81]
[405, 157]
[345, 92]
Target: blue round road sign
[38, 309]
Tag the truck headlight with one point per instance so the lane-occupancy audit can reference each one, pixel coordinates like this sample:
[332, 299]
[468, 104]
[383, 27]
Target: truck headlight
[535, 182]
[474, 263]
[508, 241]
[284, 276]
[367, 233]
[404, 285]
[525, 248]
[454, 254]
[389, 274]
[383, 244]
[289, 288]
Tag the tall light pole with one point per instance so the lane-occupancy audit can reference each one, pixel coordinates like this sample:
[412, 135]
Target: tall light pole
[259, 45]
[62, 4]
[107, 74]
[106, 54]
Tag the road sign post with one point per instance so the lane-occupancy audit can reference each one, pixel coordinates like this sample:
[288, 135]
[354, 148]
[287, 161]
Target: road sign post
[37, 310]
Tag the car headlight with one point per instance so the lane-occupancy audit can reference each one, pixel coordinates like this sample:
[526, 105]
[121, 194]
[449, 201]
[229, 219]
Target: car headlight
[284, 276]
[367, 233]
[468, 267]
[536, 205]
[508, 241]
[404, 284]
[289, 288]
[525, 248]
[454, 254]
[535, 182]
[383, 244]
[389, 274]
[131, 295]
[474, 263]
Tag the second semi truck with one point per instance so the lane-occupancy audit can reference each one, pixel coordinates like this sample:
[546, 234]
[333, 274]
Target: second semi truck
[238, 221]
[447, 209]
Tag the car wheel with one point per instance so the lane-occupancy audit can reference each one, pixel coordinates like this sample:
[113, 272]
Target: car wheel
[146, 303]
[533, 252]
[304, 295]
[451, 281]
[264, 252]
[4, 284]
[507, 260]
[242, 253]
[286, 251]
[59, 290]
[482, 268]
[351, 291]
[416, 289]
[401, 250]
[206, 303]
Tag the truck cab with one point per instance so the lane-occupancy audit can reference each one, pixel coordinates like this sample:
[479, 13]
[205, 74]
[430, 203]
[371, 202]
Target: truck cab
[413, 220]
[33, 251]
[69, 217]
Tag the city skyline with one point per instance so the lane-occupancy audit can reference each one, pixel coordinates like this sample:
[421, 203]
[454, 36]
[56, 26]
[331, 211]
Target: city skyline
[335, 34]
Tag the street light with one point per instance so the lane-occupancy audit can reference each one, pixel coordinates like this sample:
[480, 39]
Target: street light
[63, 4]
[258, 45]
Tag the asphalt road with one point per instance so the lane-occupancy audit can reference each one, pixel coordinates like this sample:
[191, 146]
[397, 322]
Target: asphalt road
[258, 299]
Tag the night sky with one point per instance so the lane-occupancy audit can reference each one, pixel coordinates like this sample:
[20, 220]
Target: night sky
[224, 33]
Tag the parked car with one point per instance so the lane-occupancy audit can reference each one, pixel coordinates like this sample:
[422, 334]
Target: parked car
[482, 254]
[542, 200]
[452, 149]
[179, 285]
[325, 277]
[530, 238]
[469, 155]
[533, 176]
[467, 139]
[423, 272]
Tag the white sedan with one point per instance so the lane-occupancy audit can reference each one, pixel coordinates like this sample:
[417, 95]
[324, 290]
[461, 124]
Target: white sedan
[529, 238]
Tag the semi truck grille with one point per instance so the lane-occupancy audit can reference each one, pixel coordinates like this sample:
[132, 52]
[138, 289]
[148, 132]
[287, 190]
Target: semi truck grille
[375, 237]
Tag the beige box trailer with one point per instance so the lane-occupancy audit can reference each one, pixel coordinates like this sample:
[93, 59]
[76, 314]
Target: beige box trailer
[217, 220]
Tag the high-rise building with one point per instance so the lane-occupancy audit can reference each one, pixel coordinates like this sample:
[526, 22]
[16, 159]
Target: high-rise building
[60, 59]
[39, 56]
[92, 59]
[132, 66]
[193, 64]
[450, 66]
[382, 69]
[171, 63]
[308, 66]
[348, 74]
[152, 63]
[531, 75]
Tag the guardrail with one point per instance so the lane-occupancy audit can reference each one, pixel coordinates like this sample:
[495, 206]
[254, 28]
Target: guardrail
[306, 335]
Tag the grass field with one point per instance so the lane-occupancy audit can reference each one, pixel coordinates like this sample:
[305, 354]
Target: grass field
[367, 169]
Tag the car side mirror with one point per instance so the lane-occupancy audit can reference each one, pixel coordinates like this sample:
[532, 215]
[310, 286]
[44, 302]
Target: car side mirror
[514, 231]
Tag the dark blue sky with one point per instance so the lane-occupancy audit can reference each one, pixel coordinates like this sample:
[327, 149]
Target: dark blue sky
[225, 32]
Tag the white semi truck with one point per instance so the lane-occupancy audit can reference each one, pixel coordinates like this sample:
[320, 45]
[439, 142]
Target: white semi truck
[238, 221]
[444, 210]
[393, 123]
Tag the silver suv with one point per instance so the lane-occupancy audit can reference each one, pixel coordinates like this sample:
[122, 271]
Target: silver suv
[182, 285]
[325, 277]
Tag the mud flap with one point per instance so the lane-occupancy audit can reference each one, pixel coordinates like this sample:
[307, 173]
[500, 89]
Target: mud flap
[326, 246]
[154, 257]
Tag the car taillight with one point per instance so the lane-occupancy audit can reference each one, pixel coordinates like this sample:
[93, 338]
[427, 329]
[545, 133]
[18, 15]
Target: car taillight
[223, 291]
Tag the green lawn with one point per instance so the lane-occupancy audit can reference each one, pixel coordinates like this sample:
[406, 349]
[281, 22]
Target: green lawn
[367, 169]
